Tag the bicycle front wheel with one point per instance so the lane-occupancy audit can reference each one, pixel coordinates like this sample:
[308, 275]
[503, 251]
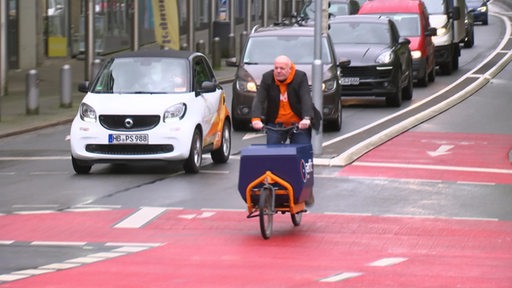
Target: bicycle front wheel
[296, 218]
[266, 211]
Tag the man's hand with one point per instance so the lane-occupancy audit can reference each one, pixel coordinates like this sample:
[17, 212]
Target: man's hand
[257, 125]
[304, 124]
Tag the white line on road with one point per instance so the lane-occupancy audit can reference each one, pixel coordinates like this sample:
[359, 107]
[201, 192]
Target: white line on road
[341, 276]
[141, 217]
[387, 261]
[35, 158]
[434, 167]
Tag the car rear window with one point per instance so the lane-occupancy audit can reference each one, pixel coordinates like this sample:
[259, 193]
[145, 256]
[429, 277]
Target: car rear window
[407, 24]
[359, 33]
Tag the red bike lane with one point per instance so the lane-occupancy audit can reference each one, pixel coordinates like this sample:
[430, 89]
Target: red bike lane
[457, 157]
[196, 248]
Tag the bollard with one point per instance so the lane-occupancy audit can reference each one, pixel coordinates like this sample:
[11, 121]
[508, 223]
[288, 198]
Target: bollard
[231, 46]
[216, 53]
[65, 86]
[32, 92]
[201, 47]
[96, 65]
[243, 38]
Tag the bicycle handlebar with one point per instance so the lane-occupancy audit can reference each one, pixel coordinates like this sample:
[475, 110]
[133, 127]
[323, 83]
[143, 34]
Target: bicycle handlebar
[293, 128]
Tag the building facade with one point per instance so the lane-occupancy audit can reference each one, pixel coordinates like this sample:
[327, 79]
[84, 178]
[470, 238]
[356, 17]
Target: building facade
[42, 29]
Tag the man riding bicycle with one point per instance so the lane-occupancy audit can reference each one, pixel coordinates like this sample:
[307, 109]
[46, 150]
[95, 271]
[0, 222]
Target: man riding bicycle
[285, 94]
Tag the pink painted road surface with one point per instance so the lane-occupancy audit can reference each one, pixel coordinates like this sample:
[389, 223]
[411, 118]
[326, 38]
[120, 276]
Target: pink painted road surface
[457, 157]
[199, 248]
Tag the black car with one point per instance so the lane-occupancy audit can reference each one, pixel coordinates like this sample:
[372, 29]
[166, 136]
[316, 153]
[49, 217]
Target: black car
[296, 42]
[381, 63]
[469, 24]
[479, 10]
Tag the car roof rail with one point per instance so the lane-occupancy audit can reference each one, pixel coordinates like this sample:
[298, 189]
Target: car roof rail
[255, 28]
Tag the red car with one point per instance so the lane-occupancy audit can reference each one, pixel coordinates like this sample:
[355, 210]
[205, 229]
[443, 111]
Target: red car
[411, 18]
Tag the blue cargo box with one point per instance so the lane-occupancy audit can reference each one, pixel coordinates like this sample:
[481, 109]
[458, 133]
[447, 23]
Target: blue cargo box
[291, 162]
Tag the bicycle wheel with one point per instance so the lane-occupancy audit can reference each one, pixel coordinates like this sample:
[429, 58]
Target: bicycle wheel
[266, 215]
[296, 218]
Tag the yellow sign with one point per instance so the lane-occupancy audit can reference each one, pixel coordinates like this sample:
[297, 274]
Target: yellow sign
[167, 31]
[57, 46]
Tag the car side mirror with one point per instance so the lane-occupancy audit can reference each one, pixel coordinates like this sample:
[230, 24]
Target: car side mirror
[208, 87]
[405, 41]
[83, 87]
[231, 62]
[455, 13]
[344, 62]
[431, 31]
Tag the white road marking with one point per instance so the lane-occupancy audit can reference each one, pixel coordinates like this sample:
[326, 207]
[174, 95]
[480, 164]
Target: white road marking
[35, 158]
[32, 272]
[434, 167]
[57, 243]
[252, 135]
[341, 276]
[141, 217]
[387, 261]
[75, 262]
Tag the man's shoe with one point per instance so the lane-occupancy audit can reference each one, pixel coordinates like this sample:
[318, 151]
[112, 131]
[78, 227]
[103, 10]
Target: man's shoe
[311, 201]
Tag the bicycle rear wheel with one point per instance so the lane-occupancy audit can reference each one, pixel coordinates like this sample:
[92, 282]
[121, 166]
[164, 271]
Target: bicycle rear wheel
[266, 211]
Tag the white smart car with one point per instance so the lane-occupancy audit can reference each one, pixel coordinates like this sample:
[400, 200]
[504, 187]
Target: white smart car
[161, 105]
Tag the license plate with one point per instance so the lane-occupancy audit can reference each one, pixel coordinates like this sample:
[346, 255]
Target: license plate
[349, 81]
[128, 138]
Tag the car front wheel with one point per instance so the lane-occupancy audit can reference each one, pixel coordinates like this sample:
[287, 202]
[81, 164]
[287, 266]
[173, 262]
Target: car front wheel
[193, 162]
[408, 90]
[80, 167]
[395, 99]
[221, 155]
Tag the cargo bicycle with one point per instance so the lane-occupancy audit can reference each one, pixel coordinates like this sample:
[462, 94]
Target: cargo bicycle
[275, 179]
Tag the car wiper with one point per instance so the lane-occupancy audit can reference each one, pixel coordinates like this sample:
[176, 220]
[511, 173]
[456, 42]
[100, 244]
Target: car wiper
[251, 63]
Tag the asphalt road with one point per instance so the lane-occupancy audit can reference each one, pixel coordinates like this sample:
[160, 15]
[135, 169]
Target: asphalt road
[429, 208]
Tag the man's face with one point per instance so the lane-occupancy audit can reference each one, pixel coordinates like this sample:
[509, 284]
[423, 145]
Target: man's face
[281, 70]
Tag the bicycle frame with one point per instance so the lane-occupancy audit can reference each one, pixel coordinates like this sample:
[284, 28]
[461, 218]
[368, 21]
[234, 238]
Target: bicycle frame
[269, 178]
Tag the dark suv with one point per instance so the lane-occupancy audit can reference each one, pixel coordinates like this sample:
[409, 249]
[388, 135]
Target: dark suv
[296, 42]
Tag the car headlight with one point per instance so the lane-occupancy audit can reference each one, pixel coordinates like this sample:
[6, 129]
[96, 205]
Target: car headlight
[416, 54]
[175, 112]
[384, 58]
[87, 113]
[246, 86]
[482, 9]
[329, 85]
[442, 31]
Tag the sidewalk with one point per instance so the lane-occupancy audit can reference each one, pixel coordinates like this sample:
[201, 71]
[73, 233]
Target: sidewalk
[13, 117]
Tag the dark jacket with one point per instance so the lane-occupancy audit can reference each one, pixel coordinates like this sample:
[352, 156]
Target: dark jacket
[266, 102]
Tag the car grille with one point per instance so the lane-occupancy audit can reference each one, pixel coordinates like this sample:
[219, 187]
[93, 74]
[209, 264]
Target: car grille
[128, 149]
[129, 122]
[366, 73]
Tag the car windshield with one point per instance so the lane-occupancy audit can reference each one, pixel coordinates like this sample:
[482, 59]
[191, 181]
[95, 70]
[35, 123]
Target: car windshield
[300, 49]
[474, 3]
[407, 24]
[359, 33]
[143, 75]
[435, 6]
[335, 9]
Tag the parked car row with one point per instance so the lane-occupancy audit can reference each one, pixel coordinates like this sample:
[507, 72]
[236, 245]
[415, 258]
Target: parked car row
[164, 105]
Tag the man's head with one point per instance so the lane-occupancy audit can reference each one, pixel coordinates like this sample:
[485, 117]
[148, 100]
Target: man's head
[282, 67]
